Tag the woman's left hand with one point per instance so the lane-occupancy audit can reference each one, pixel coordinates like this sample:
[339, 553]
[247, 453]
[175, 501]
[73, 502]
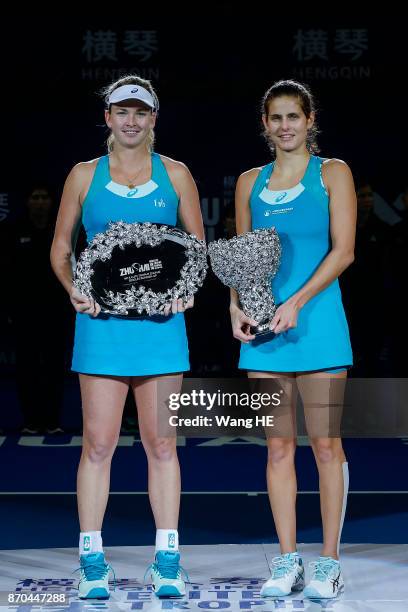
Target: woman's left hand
[285, 317]
[178, 306]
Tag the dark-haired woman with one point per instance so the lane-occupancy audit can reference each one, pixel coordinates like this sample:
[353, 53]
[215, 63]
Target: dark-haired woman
[311, 202]
[131, 183]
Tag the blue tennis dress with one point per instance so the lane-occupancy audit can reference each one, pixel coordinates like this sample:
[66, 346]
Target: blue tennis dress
[129, 347]
[301, 218]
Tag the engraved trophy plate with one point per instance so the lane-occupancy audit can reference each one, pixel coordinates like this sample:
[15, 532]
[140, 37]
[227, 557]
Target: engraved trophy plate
[135, 269]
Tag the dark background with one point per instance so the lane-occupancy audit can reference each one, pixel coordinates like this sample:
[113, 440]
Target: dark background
[210, 69]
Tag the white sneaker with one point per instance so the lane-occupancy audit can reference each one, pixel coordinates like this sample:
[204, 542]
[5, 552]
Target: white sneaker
[94, 582]
[327, 581]
[287, 575]
[166, 574]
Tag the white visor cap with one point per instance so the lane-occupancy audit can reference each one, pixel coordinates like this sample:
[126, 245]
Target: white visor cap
[132, 92]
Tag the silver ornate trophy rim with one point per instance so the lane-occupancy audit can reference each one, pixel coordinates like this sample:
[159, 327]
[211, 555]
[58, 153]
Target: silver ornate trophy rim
[140, 299]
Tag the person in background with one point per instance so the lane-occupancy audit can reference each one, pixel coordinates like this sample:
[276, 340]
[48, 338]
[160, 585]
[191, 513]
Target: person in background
[38, 313]
[364, 284]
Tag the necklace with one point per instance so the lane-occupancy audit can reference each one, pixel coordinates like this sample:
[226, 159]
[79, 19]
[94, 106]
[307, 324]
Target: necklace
[131, 182]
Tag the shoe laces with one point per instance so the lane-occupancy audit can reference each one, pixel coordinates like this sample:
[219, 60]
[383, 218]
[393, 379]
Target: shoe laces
[282, 565]
[323, 568]
[167, 568]
[96, 570]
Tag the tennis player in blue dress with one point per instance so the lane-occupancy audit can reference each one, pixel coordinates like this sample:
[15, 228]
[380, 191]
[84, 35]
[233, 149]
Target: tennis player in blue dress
[131, 183]
[312, 204]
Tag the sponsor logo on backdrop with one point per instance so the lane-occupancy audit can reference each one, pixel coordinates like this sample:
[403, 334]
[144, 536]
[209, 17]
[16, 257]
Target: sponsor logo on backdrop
[323, 54]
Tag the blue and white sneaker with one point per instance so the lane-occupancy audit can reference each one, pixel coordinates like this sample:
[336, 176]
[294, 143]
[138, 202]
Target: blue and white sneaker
[166, 574]
[288, 574]
[94, 581]
[327, 581]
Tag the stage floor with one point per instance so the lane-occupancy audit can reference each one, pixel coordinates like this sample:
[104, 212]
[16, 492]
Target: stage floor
[224, 577]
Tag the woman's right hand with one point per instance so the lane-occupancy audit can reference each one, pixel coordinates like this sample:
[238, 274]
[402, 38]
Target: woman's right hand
[83, 304]
[241, 324]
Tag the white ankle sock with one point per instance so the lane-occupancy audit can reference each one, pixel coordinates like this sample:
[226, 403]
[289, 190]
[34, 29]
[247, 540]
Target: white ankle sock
[167, 539]
[90, 542]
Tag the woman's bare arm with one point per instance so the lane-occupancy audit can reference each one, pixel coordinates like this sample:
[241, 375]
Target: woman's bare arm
[239, 321]
[68, 221]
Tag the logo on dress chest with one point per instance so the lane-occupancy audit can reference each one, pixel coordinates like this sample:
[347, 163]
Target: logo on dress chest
[279, 211]
[281, 197]
[273, 198]
[159, 203]
[136, 192]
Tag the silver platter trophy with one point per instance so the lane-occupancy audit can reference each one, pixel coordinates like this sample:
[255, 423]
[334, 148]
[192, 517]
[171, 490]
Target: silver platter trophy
[247, 263]
[135, 269]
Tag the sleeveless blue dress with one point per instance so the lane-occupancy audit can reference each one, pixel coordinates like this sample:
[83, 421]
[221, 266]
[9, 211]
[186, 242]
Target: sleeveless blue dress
[135, 347]
[301, 217]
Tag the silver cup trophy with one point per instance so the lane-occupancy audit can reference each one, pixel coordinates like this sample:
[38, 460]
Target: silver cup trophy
[136, 269]
[247, 263]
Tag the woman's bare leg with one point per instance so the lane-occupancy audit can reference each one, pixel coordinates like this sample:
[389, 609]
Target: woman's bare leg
[280, 470]
[322, 395]
[103, 398]
[161, 447]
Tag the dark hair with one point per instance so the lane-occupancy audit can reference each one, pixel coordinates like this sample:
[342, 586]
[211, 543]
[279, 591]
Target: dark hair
[302, 93]
[129, 79]
[40, 185]
[363, 181]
